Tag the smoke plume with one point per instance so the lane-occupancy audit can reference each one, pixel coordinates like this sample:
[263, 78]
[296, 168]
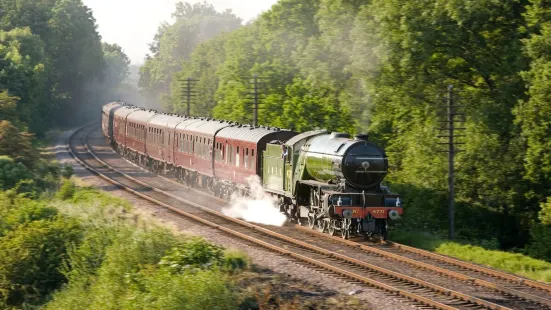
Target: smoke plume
[258, 206]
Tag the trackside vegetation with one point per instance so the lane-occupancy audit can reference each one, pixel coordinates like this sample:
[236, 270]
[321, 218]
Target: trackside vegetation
[382, 67]
[83, 249]
[484, 254]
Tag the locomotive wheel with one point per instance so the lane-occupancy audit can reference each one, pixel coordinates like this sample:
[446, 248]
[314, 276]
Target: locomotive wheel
[332, 227]
[311, 220]
[321, 225]
[382, 231]
[345, 229]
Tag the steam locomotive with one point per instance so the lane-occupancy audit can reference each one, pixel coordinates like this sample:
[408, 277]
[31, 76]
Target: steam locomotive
[329, 181]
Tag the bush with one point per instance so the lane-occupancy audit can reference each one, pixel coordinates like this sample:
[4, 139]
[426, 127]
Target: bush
[12, 172]
[108, 262]
[93, 197]
[154, 269]
[67, 190]
[235, 260]
[203, 289]
[193, 254]
[541, 241]
[31, 257]
[67, 171]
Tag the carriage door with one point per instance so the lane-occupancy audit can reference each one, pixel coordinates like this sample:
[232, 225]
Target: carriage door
[168, 148]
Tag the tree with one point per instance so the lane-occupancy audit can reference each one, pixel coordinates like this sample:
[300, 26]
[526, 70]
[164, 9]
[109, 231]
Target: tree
[116, 65]
[17, 145]
[174, 43]
[76, 55]
[534, 114]
[24, 75]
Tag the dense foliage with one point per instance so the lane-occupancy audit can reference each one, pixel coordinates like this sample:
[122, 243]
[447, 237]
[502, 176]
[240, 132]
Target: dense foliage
[53, 63]
[87, 250]
[173, 43]
[381, 67]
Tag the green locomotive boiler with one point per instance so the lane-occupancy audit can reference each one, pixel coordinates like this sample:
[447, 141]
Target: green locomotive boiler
[332, 182]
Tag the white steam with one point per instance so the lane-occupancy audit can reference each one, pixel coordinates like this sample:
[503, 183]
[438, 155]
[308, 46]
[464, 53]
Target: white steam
[259, 207]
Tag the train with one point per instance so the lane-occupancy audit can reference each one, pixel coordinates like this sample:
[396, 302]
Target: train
[329, 181]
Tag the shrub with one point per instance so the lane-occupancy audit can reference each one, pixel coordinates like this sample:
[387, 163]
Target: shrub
[12, 172]
[67, 171]
[541, 241]
[194, 253]
[67, 190]
[235, 260]
[31, 257]
[203, 289]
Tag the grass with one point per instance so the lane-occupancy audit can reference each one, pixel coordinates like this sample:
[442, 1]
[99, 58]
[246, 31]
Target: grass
[510, 262]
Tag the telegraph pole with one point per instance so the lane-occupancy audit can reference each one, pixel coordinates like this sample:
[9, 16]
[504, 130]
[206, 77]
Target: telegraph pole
[255, 101]
[256, 96]
[448, 127]
[188, 93]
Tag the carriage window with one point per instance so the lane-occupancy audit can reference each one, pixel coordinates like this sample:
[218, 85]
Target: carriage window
[228, 151]
[246, 158]
[237, 158]
[184, 142]
[251, 165]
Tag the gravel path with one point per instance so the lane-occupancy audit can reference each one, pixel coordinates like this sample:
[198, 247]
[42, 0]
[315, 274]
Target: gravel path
[327, 287]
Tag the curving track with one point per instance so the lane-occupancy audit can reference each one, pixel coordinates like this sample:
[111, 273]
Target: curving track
[395, 268]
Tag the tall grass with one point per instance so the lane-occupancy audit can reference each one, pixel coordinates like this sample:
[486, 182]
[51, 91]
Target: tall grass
[128, 261]
[511, 262]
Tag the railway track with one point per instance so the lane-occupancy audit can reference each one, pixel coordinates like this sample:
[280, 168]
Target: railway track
[420, 292]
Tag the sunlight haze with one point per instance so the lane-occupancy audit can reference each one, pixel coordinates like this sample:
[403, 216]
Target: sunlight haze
[132, 24]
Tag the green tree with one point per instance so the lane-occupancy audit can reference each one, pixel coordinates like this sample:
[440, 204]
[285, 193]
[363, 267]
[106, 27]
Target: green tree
[76, 53]
[175, 43]
[117, 64]
[24, 75]
[17, 145]
[534, 113]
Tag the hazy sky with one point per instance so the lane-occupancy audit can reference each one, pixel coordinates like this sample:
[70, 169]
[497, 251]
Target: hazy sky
[133, 23]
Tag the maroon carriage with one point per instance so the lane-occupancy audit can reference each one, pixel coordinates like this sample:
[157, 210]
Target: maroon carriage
[163, 146]
[107, 114]
[119, 124]
[237, 150]
[139, 135]
[195, 145]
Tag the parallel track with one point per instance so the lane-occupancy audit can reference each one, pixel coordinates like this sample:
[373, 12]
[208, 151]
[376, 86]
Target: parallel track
[419, 291]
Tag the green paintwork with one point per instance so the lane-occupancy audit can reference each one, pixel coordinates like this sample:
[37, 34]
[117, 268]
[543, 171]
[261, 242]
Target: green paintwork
[323, 157]
[272, 171]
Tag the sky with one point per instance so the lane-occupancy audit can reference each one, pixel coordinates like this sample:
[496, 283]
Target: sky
[133, 23]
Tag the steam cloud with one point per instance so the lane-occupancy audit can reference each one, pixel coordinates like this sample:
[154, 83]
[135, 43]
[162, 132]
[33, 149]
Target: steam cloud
[258, 207]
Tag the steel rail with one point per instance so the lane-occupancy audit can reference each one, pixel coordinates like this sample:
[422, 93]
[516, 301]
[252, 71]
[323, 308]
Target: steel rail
[442, 258]
[474, 267]
[437, 269]
[336, 270]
